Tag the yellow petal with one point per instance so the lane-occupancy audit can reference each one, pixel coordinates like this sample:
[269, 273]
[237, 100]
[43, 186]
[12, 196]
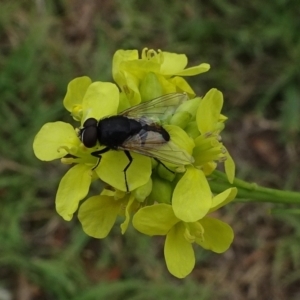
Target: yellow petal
[223, 198]
[101, 100]
[131, 206]
[173, 63]
[229, 167]
[113, 164]
[131, 88]
[119, 57]
[209, 111]
[179, 253]
[140, 67]
[209, 167]
[142, 192]
[98, 215]
[217, 237]
[192, 196]
[76, 91]
[194, 70]
[167, 85]
[154, 220]
[182, 86]
[52, 136]
[73, 187]
[127, 82]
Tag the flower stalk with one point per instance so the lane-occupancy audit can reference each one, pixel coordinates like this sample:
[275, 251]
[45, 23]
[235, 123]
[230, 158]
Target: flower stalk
[252, 192]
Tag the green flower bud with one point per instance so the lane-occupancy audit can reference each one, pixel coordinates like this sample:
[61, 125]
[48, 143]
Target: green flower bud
[150, 87]
[164, 173]
[181, 119]
[161, 190]
[123, 102]
[190, 106]
[142, 192]
[192, 130]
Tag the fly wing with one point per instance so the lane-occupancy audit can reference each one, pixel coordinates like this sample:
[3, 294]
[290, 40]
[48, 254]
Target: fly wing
[158, 109]
[152, 144]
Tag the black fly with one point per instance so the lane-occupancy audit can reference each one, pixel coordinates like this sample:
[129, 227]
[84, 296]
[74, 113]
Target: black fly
[137, 129]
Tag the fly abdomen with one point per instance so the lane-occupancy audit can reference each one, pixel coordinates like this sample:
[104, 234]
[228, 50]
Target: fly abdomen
[159, 129]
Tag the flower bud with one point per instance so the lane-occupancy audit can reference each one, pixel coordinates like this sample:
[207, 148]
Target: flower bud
[123, 102]
[181, 119]
[164, 173]
[142, 192]
[150, 87]
[161, 190]
[192, 130]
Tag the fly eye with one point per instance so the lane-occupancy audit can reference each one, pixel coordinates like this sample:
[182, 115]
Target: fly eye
[89, 136]
[90, 122]
[89, 133]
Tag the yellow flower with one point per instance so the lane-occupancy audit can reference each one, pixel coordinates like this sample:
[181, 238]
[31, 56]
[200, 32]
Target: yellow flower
[208, 232]
[130, 71]
[168, 190]
[85, 99]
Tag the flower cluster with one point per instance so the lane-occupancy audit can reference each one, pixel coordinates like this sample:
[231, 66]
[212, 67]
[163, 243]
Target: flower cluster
[162, 198]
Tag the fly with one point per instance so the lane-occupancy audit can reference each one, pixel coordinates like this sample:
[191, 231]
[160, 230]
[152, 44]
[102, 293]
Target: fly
[137, 130]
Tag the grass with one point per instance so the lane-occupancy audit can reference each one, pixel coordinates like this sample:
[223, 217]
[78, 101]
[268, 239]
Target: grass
[253, 49]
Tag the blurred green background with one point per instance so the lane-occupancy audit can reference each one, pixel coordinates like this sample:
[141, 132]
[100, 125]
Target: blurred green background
[254, 51]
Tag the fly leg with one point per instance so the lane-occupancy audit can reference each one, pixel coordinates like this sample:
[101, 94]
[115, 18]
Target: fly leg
[98, 155]
[126, 168]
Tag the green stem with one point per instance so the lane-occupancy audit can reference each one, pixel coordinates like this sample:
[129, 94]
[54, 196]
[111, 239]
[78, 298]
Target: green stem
[251, 192]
